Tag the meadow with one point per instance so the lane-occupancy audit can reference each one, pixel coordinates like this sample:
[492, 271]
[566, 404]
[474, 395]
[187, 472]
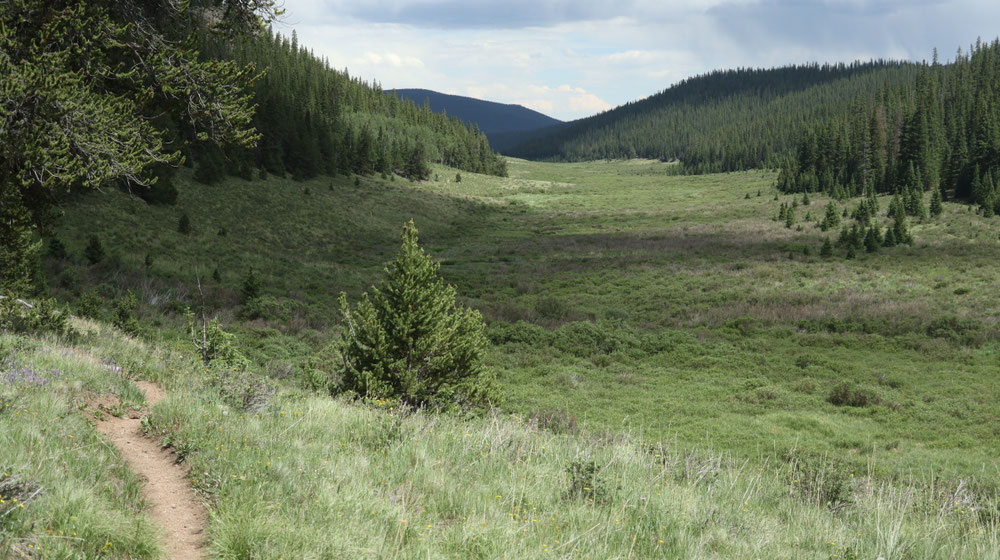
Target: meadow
[619, 298]
[668, 349]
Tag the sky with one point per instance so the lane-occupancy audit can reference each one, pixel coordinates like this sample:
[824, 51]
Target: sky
[573, 58]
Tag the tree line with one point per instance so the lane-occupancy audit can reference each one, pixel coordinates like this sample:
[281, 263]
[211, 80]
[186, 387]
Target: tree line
[315, 120]
[940, 133]
[726, 120]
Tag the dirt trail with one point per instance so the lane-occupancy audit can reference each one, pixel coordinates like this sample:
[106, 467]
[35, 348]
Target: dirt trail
[174, 505]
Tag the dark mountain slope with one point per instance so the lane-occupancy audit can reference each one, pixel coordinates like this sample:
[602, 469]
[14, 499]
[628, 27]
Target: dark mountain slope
[489, 116]
[722, 121]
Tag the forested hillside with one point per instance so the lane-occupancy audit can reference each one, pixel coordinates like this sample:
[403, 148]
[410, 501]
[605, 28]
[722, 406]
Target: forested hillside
[490, 117]
[723, 121]
[940, 133]
[316, 120]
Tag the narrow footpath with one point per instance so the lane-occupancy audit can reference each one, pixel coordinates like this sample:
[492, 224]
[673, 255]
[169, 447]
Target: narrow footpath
[174, 506]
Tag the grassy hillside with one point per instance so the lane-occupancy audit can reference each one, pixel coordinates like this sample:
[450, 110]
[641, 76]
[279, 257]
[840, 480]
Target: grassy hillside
[618, 298]
[294, 475]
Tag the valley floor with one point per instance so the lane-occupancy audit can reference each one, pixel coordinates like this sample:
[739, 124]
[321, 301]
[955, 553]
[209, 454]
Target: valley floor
[688, 377]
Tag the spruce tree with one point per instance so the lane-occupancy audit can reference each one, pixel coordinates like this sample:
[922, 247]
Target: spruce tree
[890, 237]
[827, 250]
[831, 219]
[184, 224]
[936, 204]
[872, 240]
[411, 340]
[94, 251]
[789, 218]
[57, 250]
[900, 228]
[250, 290]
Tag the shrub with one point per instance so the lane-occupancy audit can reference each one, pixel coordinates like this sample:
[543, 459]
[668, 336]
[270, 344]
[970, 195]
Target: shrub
[556, 420]
[820, 480]
[586, 482]
[42, 316]
[124, 314]
[410, 340]
[214, 345]
[846, 394]
[89, 305]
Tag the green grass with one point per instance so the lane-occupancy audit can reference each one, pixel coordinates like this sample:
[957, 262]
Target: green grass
[625, 298]
[306, 476]
[84, 501]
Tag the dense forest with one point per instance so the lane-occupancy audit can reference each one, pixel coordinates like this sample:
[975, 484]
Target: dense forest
[316, 120]
[723, 121]
[940, 133]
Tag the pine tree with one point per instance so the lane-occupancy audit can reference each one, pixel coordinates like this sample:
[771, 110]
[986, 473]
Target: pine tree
[900, 228]
[851, 252]
[789, 218]
[890, 237]
[85, 87]
[250, 290]
[184, 224]
[124, 315]
[57, 250]
[410, 339]
[936, 204]
[827, 250]
[831, 219]
[416, 168]
[94, 251]
[872, 240]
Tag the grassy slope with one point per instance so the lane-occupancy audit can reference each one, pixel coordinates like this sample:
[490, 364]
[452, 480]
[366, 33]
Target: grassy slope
[672, 306]
[310, 477]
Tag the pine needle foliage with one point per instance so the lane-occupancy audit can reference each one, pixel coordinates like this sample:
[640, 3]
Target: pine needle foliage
[410, 340]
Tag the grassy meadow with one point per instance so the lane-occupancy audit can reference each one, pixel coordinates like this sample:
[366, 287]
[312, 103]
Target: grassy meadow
[685, 377]
[619, 297]
[289, 474]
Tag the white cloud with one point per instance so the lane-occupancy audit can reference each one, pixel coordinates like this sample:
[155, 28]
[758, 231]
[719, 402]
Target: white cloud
[585, 56]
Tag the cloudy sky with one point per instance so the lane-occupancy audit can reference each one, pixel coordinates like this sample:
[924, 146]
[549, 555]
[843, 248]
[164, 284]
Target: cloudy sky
[573, 58]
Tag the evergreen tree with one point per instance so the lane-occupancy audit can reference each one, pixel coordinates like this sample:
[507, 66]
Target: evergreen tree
[410, 339]
[831, 218]
[872, 239]
[184, 224]
[416, 168]
[936, 204]
[57, 250]
[890, 237]
[250, 289]
[851, 252]
[94, 251]
[900, 228]
[124, 315]
[85, 89]
[827, 250]
[789, 218]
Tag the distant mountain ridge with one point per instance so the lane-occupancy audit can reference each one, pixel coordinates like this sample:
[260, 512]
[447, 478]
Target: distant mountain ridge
[726, 120]
[491, 117]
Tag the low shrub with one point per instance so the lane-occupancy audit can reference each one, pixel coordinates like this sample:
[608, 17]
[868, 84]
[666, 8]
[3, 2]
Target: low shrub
[847, 394]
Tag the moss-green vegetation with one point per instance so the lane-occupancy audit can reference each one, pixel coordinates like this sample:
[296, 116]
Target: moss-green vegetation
[293, 475]
[617, 295]
[64, 491]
